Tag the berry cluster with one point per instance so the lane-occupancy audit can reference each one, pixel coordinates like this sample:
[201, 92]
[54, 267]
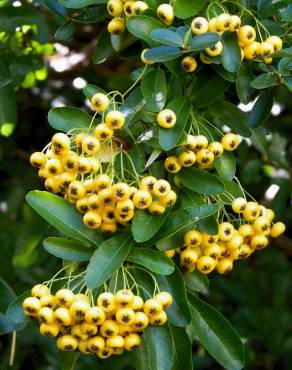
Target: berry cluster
[106, 205]
[205, 252]
[71, 165]
[119, 10]
[108, 328]
[198, 151]
[246, 36]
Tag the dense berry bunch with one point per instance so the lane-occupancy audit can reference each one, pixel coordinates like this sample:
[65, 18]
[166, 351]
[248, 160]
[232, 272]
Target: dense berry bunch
[246, 36]
[204, 253]
[197, 151]
[72, 165]
[106, 326]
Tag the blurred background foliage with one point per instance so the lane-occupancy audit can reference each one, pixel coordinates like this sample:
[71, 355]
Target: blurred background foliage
[45, 61]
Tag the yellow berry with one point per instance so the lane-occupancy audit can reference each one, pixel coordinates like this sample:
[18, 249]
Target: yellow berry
[172, 165]
[215, 49]
[109, 328]
[259, 241]
[124, 297]
[92, 220]
[115, 8]
[116, 26]
[238, 205]
[64, 297]
[38, 159]
[99, 101]
[230, 141]
[216, 148]
[251, 211]
[206, 264]
[189, 64]
[161, 188]
[152, 306]
[193, 238]
[132, 341]
[187, 158]
[224, 266]
[138, 7]
[165, 13]
[115, 120]
[31, 305]
[67, 343]
[62, 316]
[95, 315]
[144, 59]
[246, 35]
[199, 25]
[106, 301]
[158, 319]
[225, 231]
[235, 23]
[142, 199]
[147, 183]
[166, 118]
[96, 343]
[277, 229]
[276, 42]
[223, 22]
[164, 298]
[102, 132]
[125, 316]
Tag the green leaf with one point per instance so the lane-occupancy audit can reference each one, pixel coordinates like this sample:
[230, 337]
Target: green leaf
[154, 261]
[231, 56]
[66, 31]
[286, 52]
[163, 53]
[217, 335]
[181, 218]
[15, 313]
[8, 109]
[243, 86]
[182, 347]
[92, 15]
[264, 80]
[154, 90]
[140, 357]
[232, 116]
[196, 281]
[159, 346]
[141, 26]
[208, 92]
[214, 9]
[167, 37]
[56, 8]
[13, 17]
[75, 4]
[7, 327]
[168, 138]
[145, 225]
[209, 225]
[7, 295]
[103, 48]
[261, 109]
[68, 250]
[226, 166]
[201, 42]
[107, 259]
[132, 105]
[90, 90]
[178, 312]
[62, 215]
[186, 9]
[229, 76]
[286, 14]
[201, 181]
[67, 118]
